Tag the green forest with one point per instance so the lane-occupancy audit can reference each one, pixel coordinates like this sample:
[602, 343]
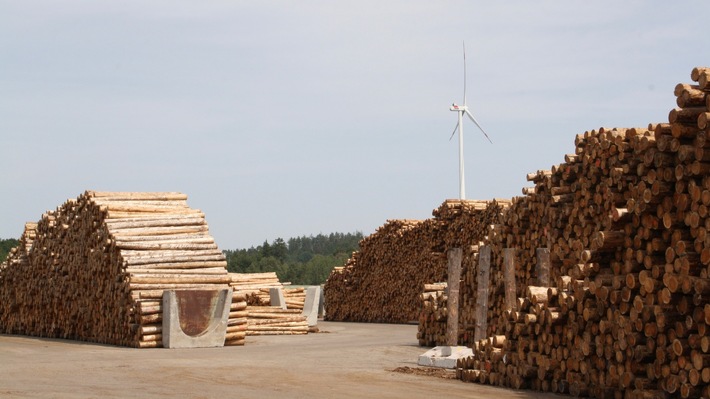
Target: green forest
[5, 246]
[300, 261]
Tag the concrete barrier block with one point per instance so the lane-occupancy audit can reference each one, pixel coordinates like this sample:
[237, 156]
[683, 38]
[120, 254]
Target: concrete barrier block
[444, 356]
[321, 304]
[310, 307]
[276, 297]
[195, 318]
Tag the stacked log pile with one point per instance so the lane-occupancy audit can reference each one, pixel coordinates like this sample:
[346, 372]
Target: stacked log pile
[256, 286]
[97, 267]
[263, 319]
[464, 225]
[295, 298]
[432, 318]
[383, 281]
[624, 310]
[272, 320]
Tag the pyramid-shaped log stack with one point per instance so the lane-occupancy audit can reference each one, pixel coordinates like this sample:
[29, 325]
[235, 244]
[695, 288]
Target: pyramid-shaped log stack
[95, 269]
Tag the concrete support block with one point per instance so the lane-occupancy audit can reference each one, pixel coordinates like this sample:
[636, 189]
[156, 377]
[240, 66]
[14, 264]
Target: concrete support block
[310, 307]
[444, 356]
[276, 297]
[321, 304]
[195, 318]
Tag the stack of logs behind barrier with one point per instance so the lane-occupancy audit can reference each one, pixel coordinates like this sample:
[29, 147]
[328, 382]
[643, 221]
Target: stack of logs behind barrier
[95, 269]
[261, 317]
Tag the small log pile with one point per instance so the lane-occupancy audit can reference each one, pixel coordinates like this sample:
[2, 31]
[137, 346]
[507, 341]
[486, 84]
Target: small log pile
[95, 269]
[272, 320]
[295, 298]
[619, 305]
[432, 318]
[257, 288]
[261, 317]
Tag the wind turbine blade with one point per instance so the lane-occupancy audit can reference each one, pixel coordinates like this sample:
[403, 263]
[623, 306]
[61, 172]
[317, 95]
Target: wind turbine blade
[464, 74]
[454, 132]
[479, 126]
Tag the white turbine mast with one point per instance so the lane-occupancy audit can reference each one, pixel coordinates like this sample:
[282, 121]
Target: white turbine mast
[463, 109]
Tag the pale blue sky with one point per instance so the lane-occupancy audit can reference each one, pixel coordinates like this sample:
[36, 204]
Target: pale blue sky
[282, 119]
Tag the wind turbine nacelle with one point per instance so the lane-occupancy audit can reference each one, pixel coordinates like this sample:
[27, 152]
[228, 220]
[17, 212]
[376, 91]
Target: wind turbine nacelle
[458, 108]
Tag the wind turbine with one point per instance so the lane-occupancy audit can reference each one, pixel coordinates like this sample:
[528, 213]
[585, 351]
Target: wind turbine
[463, 109]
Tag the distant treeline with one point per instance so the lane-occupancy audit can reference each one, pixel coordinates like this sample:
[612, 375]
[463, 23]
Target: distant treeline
[5, 246]
[300, 261]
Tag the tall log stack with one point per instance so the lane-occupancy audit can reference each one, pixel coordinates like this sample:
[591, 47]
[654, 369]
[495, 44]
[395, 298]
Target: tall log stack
[95, 269]
[599, 277]
[625, 310]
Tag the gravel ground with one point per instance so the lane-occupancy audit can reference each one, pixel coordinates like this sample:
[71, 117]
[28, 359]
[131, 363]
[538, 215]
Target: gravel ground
[344, 360]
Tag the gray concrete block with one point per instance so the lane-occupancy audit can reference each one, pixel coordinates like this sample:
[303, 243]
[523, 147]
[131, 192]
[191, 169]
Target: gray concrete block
[195, 318]
[321, 304]
[310, 306]
[444, 356]
[276, 297]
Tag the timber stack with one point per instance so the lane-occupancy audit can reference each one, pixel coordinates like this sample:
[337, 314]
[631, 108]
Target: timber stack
[611, 265]
[95, 269]
[382, 282]
[432, 318]
[256, 286]
[263, 319]
[295, 297]
[272, 320]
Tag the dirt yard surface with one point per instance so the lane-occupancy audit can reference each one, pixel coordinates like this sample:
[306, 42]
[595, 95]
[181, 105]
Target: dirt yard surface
[344, 360]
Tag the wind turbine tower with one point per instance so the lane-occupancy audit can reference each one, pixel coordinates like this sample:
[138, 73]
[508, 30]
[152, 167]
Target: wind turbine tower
[463, 109]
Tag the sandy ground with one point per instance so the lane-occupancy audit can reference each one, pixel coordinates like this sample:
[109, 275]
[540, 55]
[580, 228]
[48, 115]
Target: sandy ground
[345, 360]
